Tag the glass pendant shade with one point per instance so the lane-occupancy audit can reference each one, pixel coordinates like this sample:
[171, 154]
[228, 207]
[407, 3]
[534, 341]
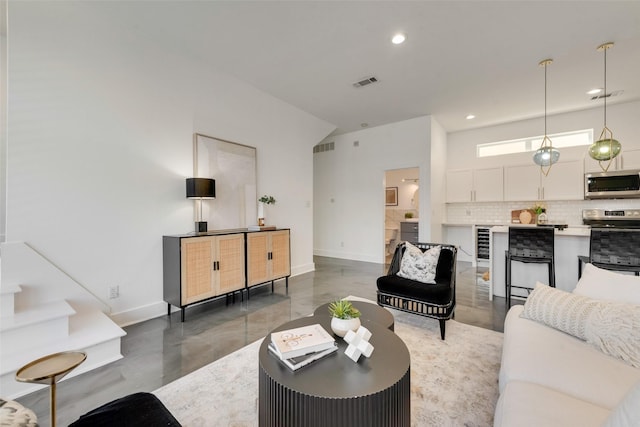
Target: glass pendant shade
[605, 149]
[546, 156]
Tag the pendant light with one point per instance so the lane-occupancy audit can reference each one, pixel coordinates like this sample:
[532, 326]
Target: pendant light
[546, 155]
[605, 149]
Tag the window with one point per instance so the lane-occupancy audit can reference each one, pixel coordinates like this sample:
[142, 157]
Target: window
[559, 140]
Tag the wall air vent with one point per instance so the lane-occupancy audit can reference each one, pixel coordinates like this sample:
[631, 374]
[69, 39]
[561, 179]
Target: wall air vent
[365, 82]
[607, 95]
[321, 148]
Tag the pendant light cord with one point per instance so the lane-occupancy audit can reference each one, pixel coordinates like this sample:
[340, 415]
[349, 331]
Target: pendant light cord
[545, 100]
[605, 86]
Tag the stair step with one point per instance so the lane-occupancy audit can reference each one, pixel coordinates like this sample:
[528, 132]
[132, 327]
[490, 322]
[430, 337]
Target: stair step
[92, 332]
[36, 326]
[99, 355]
[7, 299]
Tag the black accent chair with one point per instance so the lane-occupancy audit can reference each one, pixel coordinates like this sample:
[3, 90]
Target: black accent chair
[134, 410]
[437, 301]
[613, 249]
[529, 245]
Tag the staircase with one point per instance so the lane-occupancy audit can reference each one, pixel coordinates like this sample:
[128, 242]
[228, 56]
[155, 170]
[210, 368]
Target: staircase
[44, 311]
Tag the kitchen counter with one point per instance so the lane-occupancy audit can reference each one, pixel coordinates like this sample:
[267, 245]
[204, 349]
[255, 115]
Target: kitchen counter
[582, 230]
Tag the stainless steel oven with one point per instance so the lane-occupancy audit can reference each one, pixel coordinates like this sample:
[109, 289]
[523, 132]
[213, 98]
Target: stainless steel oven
[625, 218]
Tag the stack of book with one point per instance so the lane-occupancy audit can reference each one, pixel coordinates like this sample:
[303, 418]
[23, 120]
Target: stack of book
[299, 347]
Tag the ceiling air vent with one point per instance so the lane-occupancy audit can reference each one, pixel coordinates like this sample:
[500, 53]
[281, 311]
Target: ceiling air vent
[608, 95]
[365, 82]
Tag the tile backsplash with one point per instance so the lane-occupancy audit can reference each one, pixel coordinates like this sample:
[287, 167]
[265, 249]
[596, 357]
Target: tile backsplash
[559, 212]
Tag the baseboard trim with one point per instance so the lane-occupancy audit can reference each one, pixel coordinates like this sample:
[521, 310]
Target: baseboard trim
[157, 309]
[346, 255]
[139, 314]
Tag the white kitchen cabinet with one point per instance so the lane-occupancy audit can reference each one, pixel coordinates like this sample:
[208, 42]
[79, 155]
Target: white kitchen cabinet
[522, 182]
[629, 159]
[565, 181]
[459, 186]
[475, 185]
[626, 160]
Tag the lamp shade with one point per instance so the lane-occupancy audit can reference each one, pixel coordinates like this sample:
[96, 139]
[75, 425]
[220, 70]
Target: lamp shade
[546, 156]
[605, 149]
[201, 188]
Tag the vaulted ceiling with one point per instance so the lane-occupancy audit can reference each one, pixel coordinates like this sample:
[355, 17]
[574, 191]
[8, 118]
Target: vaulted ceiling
[460, 57]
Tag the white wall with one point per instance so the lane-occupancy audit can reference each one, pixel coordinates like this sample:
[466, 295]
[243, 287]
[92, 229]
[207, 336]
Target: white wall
[100, 126]
[3, 118]
[349, 203]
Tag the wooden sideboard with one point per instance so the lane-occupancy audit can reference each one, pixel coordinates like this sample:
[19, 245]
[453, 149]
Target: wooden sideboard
[199, 267]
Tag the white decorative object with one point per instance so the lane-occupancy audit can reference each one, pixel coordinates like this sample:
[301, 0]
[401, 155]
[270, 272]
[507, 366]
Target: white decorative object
[260, 213]
[341, 326]
[358, 344]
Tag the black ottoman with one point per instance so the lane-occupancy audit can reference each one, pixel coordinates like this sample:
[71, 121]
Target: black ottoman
[138, 409]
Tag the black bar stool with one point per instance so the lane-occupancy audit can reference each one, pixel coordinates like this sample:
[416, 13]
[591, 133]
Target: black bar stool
[529, 245]
[613, 249]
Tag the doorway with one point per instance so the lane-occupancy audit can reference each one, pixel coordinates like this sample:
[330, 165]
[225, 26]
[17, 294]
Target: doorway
[402, 208]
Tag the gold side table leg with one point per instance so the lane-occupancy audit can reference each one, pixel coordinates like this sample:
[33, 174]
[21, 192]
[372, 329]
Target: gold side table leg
[52, 404]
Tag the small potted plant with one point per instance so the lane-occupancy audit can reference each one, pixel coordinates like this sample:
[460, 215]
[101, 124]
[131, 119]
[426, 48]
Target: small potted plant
[541, 213]
[345, 317]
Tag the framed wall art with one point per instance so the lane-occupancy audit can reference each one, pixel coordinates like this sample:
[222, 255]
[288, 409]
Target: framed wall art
[391, 196]
[233, 166]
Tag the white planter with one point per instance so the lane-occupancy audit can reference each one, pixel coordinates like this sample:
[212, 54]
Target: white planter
[260, 213]
[341, 326]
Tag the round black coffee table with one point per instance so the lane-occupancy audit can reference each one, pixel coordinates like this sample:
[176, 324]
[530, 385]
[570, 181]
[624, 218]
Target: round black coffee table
[335, 391]
[369, 313]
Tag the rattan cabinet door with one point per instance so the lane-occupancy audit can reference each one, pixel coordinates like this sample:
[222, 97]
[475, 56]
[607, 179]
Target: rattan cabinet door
[280, 254]
[230, 268]
[258, 264]
[197, 269]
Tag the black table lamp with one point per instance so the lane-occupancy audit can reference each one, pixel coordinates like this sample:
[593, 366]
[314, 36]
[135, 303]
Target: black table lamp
[199, 189]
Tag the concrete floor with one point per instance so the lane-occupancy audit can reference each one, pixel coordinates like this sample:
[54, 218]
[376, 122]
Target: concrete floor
[164, 349]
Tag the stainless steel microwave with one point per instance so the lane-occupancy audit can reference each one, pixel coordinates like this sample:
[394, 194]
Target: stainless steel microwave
[612, 185]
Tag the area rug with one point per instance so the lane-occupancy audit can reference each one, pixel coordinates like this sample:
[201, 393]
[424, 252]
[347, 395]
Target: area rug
[453, 382]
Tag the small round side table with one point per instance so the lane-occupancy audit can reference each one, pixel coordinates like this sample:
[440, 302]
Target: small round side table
[48, 370]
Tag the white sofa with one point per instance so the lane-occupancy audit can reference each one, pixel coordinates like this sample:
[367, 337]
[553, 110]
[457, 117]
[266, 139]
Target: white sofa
[550, 378]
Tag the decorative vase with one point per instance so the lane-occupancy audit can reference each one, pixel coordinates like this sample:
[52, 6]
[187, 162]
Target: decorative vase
[542, 217]
[340, 327]
[260, 214]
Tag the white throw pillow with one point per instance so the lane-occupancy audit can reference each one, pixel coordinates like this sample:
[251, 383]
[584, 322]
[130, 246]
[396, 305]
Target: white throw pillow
[608, 285]
[419, 266]
[611, 327]
[627, 413]
[561, 310]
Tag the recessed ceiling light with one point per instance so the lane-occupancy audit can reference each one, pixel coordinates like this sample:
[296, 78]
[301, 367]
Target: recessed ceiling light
[470, 117]
[398, 38]
[594, 91]
[364, 125]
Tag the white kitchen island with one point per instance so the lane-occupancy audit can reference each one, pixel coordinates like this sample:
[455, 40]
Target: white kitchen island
[569, 243]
